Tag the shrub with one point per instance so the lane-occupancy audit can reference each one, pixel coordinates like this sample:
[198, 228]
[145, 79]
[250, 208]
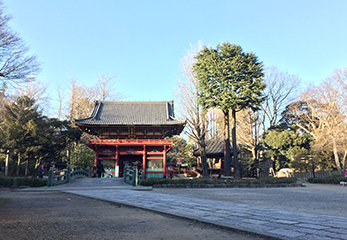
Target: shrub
[6, 181]
[263, 180]
[31, 182]
[273, 180]
[333, 179]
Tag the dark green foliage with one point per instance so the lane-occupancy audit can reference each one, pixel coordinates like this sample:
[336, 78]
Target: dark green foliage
[33, 137]
[6, 181]
[31, 182]
[333, 179]
[272, 180]
[298, 114]
[264, 180]
[229, 79]
[324, 159]
[181, 150]
[285, 145]
[82, 156]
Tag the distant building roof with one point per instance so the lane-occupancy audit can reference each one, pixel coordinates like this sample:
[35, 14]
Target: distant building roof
[214, 147]
[131, 113]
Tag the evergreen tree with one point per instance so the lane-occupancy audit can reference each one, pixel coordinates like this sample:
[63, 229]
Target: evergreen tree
[181, 150]
[284, 145]
[229, 79]
[31, 136]
[21, 125]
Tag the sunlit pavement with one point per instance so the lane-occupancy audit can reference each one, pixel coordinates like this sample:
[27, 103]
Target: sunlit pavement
[272, 217]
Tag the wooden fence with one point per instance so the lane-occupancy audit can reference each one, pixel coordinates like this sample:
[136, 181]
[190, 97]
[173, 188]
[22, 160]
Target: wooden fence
[67, 175]
[303, 176]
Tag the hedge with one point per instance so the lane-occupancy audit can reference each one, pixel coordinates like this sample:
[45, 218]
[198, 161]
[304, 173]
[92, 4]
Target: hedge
[333, 179]
[16, 182]
[263, 180]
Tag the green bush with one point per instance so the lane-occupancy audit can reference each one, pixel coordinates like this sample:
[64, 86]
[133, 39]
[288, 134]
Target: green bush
[263, 180]
[273, 180]
[31, 182]
[333, 179]
[6, 181]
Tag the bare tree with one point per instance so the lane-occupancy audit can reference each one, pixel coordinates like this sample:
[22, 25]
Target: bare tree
[339, 76]
[61, 98]
[106, 88]
[187, 104]
[215, 130]
[281, 89]
[325, 119]
[15, 64]
[34, 89]
[248, 126]
[82, 97]
[80, 102]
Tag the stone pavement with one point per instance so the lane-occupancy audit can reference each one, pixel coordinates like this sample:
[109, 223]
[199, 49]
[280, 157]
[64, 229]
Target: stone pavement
[265, 221]
[91, 183]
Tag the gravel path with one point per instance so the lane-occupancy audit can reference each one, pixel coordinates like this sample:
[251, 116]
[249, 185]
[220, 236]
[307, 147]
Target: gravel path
[57, 215]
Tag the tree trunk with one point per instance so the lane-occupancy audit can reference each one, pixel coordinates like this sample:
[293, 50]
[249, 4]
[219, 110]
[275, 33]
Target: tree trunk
[337, 161]
[6, 163]
[344, 161]
[255, 151]
[236, 161]
[26, 167]
[202, 148]
[18, 165]
[68, 155]
[226, 133]
[273, 163]
[255, 155]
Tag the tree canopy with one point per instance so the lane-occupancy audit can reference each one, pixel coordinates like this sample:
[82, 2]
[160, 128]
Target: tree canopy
[286, 144]
[229, 79]
[27, 134]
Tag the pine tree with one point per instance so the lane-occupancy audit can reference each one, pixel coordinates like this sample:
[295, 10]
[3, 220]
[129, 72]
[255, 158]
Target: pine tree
[229, 79]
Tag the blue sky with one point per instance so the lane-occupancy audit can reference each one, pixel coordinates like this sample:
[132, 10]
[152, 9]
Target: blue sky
[142, 41]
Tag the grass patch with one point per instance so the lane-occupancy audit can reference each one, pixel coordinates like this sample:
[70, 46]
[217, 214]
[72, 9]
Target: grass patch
[263, 180]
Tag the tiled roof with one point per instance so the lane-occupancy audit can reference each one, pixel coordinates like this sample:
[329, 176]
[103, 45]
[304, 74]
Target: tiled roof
[131, 113]
[213, 147]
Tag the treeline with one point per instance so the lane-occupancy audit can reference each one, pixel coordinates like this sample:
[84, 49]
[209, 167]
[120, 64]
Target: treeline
[284, 124]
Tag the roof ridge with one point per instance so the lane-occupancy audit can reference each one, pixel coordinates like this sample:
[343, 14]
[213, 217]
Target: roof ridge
[95, 113]
[147, 102]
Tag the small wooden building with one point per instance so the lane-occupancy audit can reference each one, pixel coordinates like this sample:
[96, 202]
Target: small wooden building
[214, 155]
[132, 132]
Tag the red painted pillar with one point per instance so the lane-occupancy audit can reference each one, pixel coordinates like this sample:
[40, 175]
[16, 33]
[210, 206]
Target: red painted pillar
[144, 161]
[164, 162]
[96, 156]
[117, 163]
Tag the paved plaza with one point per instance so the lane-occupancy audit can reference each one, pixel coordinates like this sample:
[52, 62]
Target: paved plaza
[311, 212]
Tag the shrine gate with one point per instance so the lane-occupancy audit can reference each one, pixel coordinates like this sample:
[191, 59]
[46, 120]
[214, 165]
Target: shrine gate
[132, 132]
